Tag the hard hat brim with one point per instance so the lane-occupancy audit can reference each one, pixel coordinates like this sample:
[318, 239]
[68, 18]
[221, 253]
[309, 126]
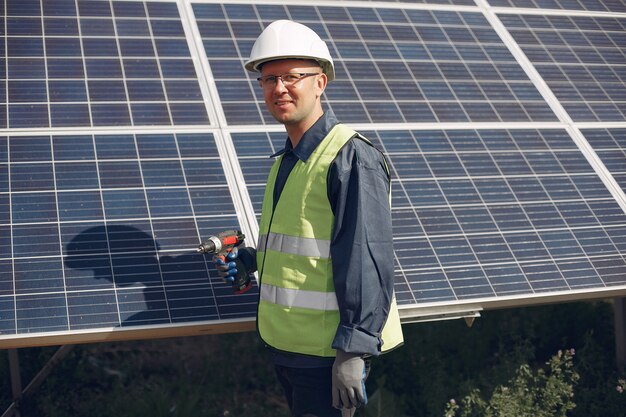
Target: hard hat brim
[255, 65]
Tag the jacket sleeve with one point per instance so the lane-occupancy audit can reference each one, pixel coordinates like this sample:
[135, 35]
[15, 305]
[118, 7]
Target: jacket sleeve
[361, 247]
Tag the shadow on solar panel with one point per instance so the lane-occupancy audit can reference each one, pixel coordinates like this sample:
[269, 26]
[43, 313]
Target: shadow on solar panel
[115, 277]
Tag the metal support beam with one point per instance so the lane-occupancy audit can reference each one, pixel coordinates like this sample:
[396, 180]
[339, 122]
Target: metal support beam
[16, 380]
[619, 307]
[18, 394]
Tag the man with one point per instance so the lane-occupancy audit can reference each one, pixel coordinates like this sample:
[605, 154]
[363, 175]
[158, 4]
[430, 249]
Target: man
[324, 256]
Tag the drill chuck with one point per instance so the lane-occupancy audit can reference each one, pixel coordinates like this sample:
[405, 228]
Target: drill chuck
[212, 245]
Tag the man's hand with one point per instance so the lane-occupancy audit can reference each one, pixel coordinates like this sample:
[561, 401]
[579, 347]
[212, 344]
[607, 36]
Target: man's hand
[348, 380]
[227, 268]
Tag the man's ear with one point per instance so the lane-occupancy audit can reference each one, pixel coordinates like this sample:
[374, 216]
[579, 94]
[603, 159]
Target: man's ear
[320, 84]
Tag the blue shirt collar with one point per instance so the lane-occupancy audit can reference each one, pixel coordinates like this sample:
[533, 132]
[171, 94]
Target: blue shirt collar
[311, 137]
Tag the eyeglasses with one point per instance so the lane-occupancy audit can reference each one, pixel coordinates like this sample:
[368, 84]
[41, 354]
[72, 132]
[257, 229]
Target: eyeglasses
[269, 81]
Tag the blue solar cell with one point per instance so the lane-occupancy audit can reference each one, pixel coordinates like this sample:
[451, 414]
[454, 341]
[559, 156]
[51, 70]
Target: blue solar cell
[85, 273]
[196, 145]
[27, 91]
[98, 27]
[156, 146]
[59, 91]
[76, 175]
[31, 177]
[141, 68]
[119, 174]
[137, 47]
[94, 8]
[459, 192]
[4, 149]
[137, 268]
[4, 188]
[121, 204]
[92, 309]
[177, 68]
[150, 114]
[176, 234]
[182, 90]
[245, 29]
[83, 205]
[6, 276]
[201, 172]
[162, 9]
[188, 304]
[211, 201]
[123, 9]
[162, 173]
[545, 277]
[100, 47]
[167, 28]
[146, 307]
[29, 148]
[110, 114]
[103, 68]
[115, 146]
[145, 90]
[109, 90]
[132, 27]
[23, 8]
[23, 26]
[63, 47]
[59, 8]
[7, 306]
[45, 312]
[133, 237]
[33, 207]
[171, 47]
[189, 113]
[5, 244]
[168, 202]
[47, 240]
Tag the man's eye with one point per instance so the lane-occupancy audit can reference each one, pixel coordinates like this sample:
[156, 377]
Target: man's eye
[290, 78]
[270, 79]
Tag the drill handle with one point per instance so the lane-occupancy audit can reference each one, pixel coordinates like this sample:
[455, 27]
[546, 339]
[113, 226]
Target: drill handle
[242, 281]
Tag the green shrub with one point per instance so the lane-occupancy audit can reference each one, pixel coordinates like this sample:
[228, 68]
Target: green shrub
[529, 394]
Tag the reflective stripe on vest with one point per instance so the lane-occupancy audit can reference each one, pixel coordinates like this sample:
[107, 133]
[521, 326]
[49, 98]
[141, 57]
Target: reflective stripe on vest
[289, 297]
[295, 245]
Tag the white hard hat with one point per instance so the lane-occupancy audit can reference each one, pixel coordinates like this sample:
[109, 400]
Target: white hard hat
[284, 39]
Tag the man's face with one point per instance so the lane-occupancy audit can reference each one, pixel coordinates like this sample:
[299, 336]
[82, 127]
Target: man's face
[299, 103]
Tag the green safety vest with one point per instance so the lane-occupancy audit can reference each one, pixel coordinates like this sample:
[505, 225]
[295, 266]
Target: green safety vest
[298, 310]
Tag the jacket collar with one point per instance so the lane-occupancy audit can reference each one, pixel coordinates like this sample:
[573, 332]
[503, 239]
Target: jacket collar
[311, 138]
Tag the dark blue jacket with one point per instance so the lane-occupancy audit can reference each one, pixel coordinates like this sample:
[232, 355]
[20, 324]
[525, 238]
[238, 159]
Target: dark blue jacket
[358, 191]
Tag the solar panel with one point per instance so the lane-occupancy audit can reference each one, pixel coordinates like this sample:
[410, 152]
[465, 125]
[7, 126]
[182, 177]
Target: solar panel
[95, 63]
[392, 65]
[101, 232]
[610, 145]
[582, 5]
[581, 58]
[130, 131]
[489, 213]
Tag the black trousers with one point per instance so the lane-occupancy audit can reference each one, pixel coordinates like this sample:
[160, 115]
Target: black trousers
[309, 390]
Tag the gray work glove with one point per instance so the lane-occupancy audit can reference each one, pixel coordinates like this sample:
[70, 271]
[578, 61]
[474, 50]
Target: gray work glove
[348, 380]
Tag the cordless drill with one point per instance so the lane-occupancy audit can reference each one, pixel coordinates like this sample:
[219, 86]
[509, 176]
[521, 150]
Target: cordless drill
[221, 245]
